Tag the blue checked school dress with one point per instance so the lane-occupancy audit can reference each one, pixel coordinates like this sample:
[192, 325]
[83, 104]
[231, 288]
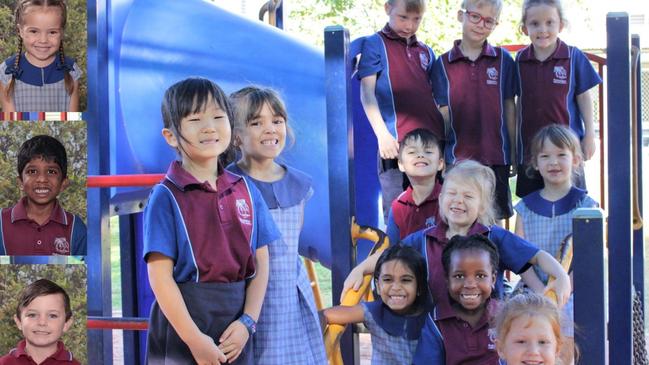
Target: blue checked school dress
[394, 337]
[288, 329]
[39, 89]
[546, 224]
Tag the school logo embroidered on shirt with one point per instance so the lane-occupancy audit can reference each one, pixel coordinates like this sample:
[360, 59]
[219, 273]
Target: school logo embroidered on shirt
[492, 76]
[491, 333]
[560, 75]
[243, 211]
[61, 246]
[424, 60]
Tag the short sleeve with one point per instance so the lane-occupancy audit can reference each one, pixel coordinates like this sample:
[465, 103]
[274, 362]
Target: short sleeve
[370, 62]
[585, 75]
[79, 237]
[510, 82]
[392, 230]
[4, 78]
[76, 72]
[515, 252]
[588, 202]
[430, 348]
[159, 223]
[439, 81]
[264, 231]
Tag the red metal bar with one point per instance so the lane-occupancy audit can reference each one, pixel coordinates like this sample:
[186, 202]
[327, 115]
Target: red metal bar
[110, 181]
[117, 323]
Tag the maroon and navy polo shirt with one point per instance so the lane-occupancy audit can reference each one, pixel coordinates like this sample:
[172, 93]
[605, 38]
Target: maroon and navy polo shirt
[211, 235]
[18, 356]
[63, 234]
[475, 92]
[403, 90]
[406, 217]
[549, 90]
[463, 344]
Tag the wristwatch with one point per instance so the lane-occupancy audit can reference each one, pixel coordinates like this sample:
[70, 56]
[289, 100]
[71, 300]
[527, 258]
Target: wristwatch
[250, 323]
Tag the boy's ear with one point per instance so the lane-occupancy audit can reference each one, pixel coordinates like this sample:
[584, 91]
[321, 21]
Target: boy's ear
[499, 349]
[441, 165]
[524, 30]
[19, 180]
[67, 325]
[18, 323]
[64, 184]
[460, 16]
[401, 168]
[388, 8]
[170, 137]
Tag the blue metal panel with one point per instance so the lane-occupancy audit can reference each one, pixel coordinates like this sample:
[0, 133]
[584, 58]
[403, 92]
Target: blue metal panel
[128, 256]
[100, 344]
[146, 63]
[589, 273]
[638, 234]
[340, 148]
[619, 177]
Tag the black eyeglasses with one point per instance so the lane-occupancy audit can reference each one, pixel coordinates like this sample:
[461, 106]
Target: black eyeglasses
[475, 18]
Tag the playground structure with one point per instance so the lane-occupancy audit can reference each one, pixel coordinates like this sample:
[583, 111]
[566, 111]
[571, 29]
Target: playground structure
[135, 61]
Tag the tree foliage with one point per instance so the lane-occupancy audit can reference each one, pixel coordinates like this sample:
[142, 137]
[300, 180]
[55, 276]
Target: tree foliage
[75, 39]
[72, 278]
[73, 135]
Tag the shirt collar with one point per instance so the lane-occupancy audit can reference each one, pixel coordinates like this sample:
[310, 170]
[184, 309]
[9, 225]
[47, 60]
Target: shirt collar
[406, 196]
[444, 310]
[395, 324]
[180, 177]
[286, 192]
[391, 34]
[61, 353]
[456, 54]
[439, 231]
[562, 52]
[539, 205]
[19, 212]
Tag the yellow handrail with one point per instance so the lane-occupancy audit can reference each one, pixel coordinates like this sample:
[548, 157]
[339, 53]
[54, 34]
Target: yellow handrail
[333, 332]
[564, 256]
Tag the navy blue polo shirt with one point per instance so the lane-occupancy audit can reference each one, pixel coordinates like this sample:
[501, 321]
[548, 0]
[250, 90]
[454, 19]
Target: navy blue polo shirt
[18, 356]
[211, 235]
[548, 92]
[406, 217]
[403, 90]
[63, 234]
[515, 254]
[475, 92]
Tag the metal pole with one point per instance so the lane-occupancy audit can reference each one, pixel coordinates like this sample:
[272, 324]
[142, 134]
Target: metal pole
[619, 176]
[340, 156]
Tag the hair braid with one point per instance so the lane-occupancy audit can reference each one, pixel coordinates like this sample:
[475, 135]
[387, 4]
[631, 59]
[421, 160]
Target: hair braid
[12, 83]
[69, 83]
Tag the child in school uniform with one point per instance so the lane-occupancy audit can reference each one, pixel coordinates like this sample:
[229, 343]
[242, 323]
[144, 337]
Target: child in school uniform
[41, 78]
[470, 264]
[43, 315]
[421, 159]
[474, 84]
[395, 89]
[37, 224]
[555, 87]
[288, 330]
[206, 232]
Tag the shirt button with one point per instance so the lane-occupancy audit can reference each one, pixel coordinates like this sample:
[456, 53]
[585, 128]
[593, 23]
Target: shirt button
[466, 325]
[39, 242]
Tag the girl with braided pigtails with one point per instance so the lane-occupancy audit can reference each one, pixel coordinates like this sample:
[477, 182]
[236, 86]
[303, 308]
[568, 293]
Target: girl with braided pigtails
[40, 77]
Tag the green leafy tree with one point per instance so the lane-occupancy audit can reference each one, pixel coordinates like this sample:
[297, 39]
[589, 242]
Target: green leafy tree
[73, 135]
[72, 278]
[75, 41]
